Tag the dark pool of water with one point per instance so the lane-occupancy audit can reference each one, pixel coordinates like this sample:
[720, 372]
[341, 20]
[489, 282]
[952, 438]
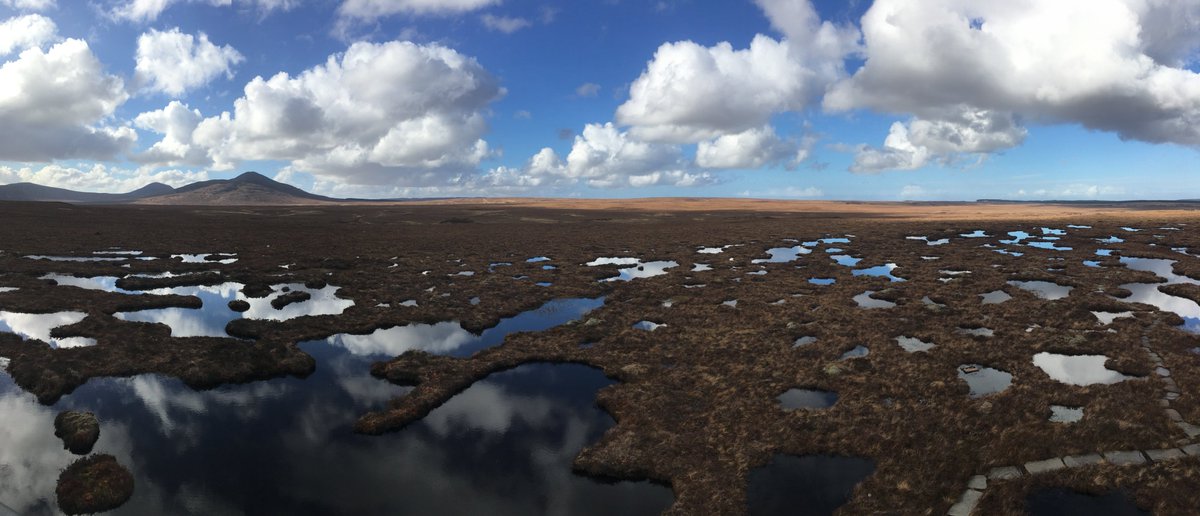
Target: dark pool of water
[643, 270]
[913, 344]
[211, 319]
[783, 254]
[865, 300]
[1079, 370]
[76, 258]
[648, 325]
[1064, 414]
[1044, 289]
[995, 297]
[883, 271]
[1049, 246]
[1148, 293]
[984, 380]
[846, 260]
[503, 446]
[1162, 268]
[39, 326]
[808, 485]
[807, 399]
[1064, 502]
[450, 338]
[856, 352]
[806, 340]
[285, 446]
[1017, 237]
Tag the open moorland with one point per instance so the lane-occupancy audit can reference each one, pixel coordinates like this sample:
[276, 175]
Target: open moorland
[886, 358]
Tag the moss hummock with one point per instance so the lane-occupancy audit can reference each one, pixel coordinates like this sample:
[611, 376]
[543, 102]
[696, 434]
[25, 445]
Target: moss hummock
[94, 484]
[78, 431]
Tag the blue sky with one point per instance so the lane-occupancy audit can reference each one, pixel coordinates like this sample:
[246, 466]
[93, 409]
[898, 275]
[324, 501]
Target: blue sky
[882, 100]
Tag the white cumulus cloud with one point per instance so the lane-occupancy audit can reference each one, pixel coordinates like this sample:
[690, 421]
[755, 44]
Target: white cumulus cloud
[690, 93]
[28, 31]
[753, 148]
[604, 157]
[945, 141]
[1108, 65]
[141, 11]
[98, 178]
[29, 5]
[53, 105]
[174, 62]
[177, 123]
[387, 113]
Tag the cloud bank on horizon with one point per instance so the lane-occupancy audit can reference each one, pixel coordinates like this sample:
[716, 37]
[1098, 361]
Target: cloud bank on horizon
[397, 98]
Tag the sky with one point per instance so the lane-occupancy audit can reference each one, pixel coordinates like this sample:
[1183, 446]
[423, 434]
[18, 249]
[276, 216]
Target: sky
[855, 100]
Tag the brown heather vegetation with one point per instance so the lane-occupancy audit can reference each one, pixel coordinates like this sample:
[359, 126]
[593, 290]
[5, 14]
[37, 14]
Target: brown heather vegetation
[696, 400]
[93, 484]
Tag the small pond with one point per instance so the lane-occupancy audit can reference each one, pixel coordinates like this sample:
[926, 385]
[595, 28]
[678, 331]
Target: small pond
[38, 326]
[811, 485]
[984, 380]
[1044, 289]
[865, 300]
[503, 446]
[1064, 414]
[450, 338]
[913, 344]
[1077, 369]
[807, 399]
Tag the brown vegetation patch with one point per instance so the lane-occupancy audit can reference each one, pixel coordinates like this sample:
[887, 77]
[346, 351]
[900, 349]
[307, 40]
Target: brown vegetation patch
[290, 298]
[79, 431]
[1184, 290]
[94, 484]
[187, 280]
[696, 404]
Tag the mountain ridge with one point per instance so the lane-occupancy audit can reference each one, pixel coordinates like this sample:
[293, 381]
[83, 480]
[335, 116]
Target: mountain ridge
[249, 188]
[35, 192]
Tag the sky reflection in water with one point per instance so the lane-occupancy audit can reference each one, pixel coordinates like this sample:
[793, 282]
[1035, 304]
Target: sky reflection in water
[1077, 369]
[211, 319]
[38, 326]
[449, 337]
[503, 446]
[1149, 294]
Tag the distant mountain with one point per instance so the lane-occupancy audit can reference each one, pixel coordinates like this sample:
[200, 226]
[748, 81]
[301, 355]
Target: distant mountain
[36, 192]
[250, 188]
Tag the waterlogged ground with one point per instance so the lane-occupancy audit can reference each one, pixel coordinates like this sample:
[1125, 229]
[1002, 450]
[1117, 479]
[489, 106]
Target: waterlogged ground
[471, 359]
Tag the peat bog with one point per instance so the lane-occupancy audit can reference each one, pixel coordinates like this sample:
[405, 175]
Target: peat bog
[579, 360]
